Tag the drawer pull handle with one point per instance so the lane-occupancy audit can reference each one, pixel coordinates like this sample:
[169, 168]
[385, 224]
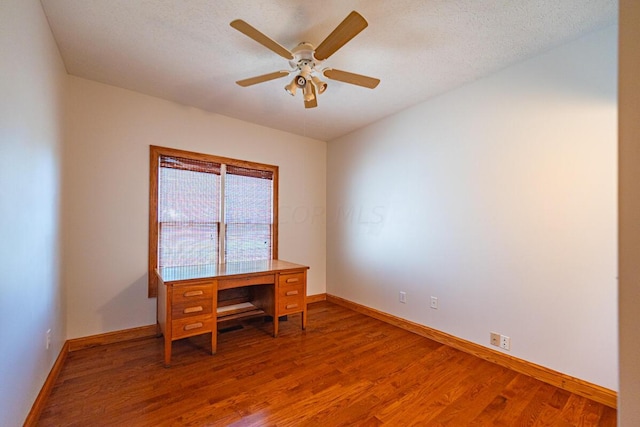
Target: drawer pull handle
[193, 293]
[289, 293]
[193, 326]
[291, 306]
[292, 280]
[193, 309]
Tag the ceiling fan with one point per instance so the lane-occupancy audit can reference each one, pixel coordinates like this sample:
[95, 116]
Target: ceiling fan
[305, 60]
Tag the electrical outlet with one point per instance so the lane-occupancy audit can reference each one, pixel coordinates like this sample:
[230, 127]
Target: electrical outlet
[403, 297]
[48, 342]
[505, 342]
[495, 339]
[434, 303]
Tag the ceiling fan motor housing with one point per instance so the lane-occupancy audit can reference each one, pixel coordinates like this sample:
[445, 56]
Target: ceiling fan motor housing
[303, 55]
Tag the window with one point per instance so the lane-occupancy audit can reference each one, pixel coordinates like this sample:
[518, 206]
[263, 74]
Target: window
[206, 209]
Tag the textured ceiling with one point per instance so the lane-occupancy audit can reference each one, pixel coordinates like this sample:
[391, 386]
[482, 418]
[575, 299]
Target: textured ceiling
[185, 51]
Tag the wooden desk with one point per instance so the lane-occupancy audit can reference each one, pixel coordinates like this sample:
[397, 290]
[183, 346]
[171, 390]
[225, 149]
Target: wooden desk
[193, 300]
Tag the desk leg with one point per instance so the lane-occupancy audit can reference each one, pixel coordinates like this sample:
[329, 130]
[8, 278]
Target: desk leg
[275, 325]
[304, 319]
[214, 327]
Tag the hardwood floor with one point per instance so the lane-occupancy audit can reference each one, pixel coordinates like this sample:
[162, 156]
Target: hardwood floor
[345, 369]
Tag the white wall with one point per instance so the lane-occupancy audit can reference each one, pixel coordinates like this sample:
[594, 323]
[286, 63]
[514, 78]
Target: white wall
[629, 211]
[31, 85]
[499, 198]
[106, 196]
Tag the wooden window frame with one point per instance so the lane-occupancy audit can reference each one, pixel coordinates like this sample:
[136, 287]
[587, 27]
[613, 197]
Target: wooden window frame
[154, 164]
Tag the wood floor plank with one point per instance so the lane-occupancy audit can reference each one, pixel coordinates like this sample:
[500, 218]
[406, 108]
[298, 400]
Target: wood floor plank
[346, 369]
[490, 380]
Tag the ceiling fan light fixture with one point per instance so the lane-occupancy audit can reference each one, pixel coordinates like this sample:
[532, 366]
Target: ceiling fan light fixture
[292, 87]
[303, 78]
[308, 92]
[301, 81]
[320, 85]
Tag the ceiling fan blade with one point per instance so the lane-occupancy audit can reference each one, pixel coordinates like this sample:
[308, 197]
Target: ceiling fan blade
[345, 31]
[354, 79]
[263, 78]
[265, 41]
[314, 102]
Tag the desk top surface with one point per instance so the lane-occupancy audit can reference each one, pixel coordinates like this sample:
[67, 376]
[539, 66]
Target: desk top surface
[217, 271]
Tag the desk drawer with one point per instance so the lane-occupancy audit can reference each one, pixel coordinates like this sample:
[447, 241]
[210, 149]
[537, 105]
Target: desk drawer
[292, 279]
[291, 299]
[197, 307]
[264, 279]
[189, 326]
[188, 294]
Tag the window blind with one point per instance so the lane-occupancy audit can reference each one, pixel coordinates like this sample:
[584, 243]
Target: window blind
[248, 214]
[188, 212]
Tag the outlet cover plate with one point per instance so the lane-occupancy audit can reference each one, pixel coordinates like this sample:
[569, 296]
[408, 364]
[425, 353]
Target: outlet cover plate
[494, 339]
[505, 342]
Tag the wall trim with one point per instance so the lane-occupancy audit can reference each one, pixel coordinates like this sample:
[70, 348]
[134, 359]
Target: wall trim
[45, 391]
[316, 298]
[574, 385]
[113, 337]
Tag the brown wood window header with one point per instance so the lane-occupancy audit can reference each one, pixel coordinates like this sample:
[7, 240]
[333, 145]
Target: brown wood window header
[252, 173]
[192, 165]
